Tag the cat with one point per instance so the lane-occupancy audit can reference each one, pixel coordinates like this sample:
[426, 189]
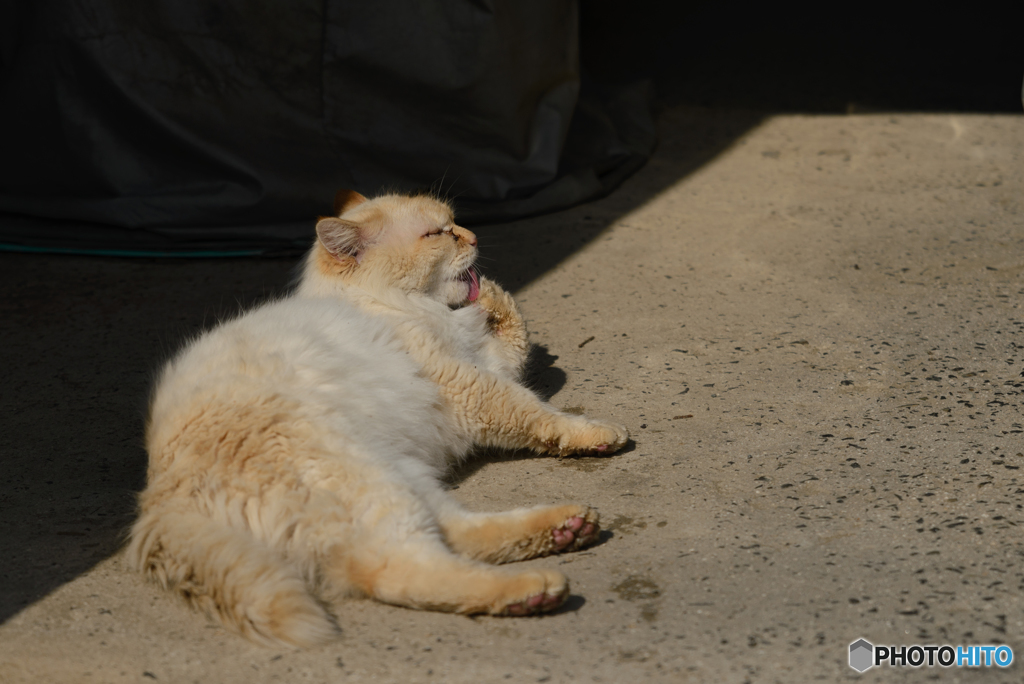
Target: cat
[296, 452]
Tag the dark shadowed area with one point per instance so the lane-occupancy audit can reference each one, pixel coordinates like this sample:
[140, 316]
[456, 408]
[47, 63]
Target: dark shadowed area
[82, 336]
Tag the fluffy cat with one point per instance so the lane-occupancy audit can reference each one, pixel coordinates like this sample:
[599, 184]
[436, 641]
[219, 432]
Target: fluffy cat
[295, 451]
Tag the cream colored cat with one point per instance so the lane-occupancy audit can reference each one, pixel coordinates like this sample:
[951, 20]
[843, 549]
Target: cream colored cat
[295, 452]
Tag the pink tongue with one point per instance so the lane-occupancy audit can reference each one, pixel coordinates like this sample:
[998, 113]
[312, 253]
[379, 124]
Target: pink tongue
[474, 285]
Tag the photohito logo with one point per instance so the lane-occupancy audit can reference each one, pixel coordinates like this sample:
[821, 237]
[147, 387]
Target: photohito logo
[865, 655]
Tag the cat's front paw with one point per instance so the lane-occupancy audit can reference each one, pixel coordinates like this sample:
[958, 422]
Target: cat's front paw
[590, 436]
[503, 314]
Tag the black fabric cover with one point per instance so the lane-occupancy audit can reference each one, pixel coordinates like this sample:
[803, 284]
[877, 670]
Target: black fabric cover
[183, 125]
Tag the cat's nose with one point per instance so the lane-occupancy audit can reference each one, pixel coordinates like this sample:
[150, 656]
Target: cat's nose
[464, 234]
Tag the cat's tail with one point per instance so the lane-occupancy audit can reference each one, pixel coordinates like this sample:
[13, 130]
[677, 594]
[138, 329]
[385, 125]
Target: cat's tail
[230, 575]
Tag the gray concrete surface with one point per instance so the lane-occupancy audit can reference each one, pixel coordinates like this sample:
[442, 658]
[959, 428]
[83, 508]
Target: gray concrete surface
[811, 325]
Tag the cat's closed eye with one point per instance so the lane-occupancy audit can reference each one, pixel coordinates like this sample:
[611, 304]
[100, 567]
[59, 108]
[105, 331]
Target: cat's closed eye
[441, 231]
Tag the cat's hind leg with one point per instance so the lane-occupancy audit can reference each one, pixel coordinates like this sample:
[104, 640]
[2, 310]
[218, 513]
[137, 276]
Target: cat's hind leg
[389, 546]
[519, 534]
[424, 573]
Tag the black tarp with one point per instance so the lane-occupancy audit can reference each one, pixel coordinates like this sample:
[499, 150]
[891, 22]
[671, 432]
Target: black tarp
[212, 125]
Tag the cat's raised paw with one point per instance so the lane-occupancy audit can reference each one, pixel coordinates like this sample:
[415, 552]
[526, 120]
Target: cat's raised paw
[503, 315]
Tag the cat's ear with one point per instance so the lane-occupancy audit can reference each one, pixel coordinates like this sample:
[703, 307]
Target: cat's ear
[342, 239]
[345, 200]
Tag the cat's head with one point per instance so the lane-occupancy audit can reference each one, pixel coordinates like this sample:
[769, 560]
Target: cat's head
[393, 242]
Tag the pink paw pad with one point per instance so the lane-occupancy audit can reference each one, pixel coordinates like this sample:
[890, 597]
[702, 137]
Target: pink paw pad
[573, 528]
[538, 603]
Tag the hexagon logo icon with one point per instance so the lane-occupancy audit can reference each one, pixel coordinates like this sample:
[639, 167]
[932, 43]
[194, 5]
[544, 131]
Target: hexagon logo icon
[861, 653]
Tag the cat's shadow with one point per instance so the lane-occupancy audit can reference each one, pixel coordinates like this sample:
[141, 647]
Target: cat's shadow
[542, 376]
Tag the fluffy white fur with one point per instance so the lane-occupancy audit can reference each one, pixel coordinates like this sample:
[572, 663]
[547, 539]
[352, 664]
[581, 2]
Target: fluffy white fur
[296, 451]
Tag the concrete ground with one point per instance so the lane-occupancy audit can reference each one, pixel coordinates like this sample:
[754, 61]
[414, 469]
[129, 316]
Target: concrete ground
[812, 327]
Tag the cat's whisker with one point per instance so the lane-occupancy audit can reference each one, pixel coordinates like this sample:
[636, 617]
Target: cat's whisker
[439, 192]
